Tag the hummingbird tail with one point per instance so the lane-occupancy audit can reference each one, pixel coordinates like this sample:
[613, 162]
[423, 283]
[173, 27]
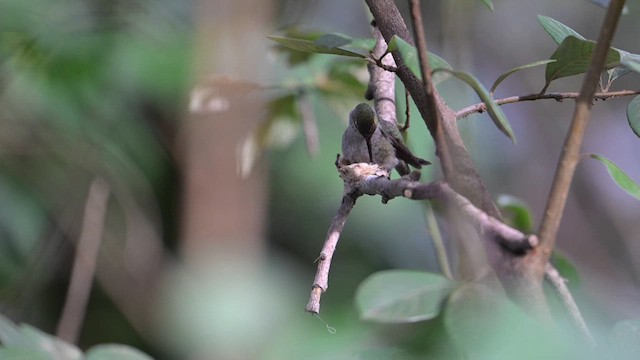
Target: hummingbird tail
[415, 161]
[403, 153]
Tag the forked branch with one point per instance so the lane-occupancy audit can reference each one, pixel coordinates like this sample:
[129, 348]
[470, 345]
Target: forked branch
[366, 179]
[571, 149]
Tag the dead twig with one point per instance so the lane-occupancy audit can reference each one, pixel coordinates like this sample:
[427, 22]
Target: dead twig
[321, 280]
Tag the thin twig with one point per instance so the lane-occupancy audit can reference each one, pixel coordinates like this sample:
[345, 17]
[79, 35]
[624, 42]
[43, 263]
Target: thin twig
[423, 58]
[434, 117]
[321, 280]
[407, 111]
[309, 123]
[559, 284]
[558, 96]
[570, 154]
[84, 265]
[380, 64]
[436, 239]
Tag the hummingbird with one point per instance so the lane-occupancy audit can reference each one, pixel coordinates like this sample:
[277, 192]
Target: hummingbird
[356, 140]
[379, 142]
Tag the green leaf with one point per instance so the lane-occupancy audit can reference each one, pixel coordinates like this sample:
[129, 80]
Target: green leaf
[566, 269]
[379, 353]
[332, 41]
[488, 4]
[484, 324]
[295, 57]
[522, 67]
[557, 30]
[625, 339]
[9, 334]
[410, 57]
[633, 115]
[298, 51]
[573, 57]
[621, 70]
[498, 117]
[56, 347]
[19, 353]
[337, 40]
[631, 61]
[628, 62]
[312, 47]
[518, 212]
[620, 177]
[30, 338]
[402, 296]
[115, 352]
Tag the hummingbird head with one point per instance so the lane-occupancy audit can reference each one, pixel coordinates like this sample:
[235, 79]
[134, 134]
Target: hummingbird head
[364, 120]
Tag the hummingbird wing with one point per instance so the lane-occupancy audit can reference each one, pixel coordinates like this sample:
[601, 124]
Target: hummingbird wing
[391, 132]
[354, 147]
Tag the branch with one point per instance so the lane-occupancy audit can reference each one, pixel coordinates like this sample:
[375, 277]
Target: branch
[382, 85]
[366, 179]
[423, 59]
[432, 115]
[382, 90]
[370, 179]
[84, 265]
[382, 82]
[558, 96]
[571, 149]
[455, 161]
[522, 283]
[559, 283]
[321, 280]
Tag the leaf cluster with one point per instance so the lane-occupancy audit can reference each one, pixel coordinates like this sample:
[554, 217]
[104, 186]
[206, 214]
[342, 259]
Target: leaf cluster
[572, 57]
[27, 342]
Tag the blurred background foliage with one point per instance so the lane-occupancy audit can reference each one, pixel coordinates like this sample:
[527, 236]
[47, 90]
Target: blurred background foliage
[88, 89]
[132, 92]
